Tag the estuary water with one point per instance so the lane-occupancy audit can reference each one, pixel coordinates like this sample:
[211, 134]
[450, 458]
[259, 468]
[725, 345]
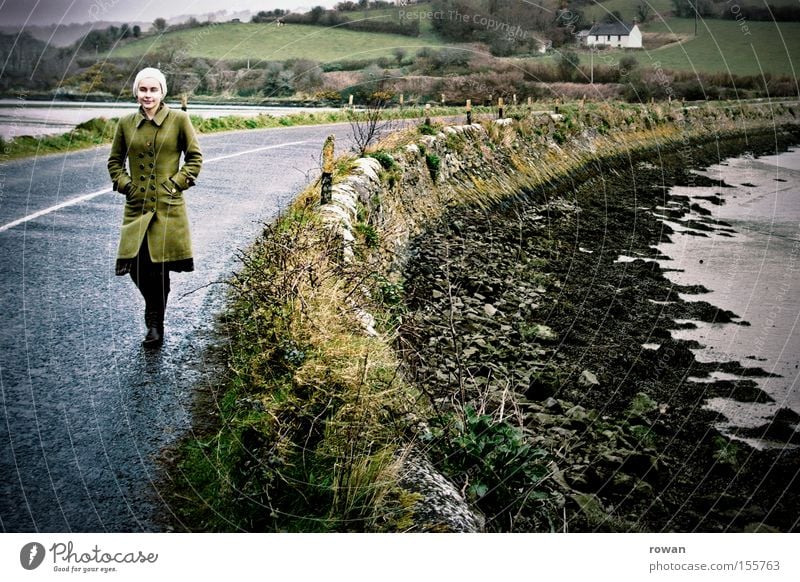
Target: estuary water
[35, 118]
[751, 265]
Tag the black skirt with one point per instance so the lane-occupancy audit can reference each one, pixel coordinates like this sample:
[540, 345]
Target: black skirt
[124, 266]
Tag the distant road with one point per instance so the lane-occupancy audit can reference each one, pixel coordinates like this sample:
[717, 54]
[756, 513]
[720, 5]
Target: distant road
[85, 411]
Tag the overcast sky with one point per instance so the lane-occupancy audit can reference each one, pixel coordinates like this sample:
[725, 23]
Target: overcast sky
[20, 12]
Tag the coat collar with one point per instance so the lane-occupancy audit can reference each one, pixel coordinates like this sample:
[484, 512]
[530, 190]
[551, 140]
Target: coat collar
[161, 115]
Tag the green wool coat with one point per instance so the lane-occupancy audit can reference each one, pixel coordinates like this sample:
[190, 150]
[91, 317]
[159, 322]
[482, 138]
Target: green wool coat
[155, 182]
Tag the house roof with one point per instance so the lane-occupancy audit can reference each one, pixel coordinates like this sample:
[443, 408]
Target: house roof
[613, 28]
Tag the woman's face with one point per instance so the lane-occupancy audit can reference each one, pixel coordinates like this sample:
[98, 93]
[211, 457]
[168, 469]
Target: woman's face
[149, 95]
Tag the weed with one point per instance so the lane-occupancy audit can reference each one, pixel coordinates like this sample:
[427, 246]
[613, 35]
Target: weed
[385, 159]
[431, 129]
[433, 162]
[368, 234]
[726, 452]
[493, 463]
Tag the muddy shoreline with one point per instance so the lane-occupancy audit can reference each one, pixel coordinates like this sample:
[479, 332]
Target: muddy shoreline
[525, 312]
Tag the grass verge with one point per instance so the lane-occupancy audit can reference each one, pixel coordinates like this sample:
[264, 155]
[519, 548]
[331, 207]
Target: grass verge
[314, 411]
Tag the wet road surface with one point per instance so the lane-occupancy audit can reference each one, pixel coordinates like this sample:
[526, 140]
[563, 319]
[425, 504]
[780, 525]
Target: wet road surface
[85, 412]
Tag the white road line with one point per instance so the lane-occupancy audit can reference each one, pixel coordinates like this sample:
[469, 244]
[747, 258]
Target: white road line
[64, 204]
[85, 197]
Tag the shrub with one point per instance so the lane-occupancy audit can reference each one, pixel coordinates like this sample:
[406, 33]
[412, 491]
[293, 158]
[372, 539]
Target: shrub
[385, 159]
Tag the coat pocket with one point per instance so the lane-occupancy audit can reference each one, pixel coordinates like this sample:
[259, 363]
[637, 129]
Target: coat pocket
[174, 195]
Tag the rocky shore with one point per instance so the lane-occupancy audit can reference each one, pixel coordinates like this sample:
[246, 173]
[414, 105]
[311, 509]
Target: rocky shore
[525, 312]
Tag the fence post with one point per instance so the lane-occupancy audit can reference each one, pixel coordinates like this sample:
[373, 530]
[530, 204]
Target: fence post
[427, 114]
[350, 101]
[327, 170]
[184, 102]
[401, 100]
[499, 108]
[469, 111]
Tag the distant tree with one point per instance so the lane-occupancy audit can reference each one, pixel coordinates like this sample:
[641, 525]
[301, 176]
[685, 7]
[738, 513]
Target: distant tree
[306, 75]
[277, 81]
[627, 65]
[568, 62]
[316, 14]
[96, 40]
[266, 16]
[612, 17]
[363, 4]
[137, 31]
[399, 54]
[31, 63]
[686, 8]
[159, 25]
[643, 12]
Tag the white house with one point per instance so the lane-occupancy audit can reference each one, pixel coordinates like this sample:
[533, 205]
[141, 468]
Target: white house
[615, 34]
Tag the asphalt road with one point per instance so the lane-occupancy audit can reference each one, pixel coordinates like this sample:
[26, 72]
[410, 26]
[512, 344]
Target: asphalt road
[85, 412]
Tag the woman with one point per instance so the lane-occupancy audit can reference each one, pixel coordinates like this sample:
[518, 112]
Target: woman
[155, 228]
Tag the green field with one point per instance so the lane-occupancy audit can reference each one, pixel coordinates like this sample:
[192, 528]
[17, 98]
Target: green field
[721, 46]
[599, 11]
[726, 46]
[425, 24]
[235, 41]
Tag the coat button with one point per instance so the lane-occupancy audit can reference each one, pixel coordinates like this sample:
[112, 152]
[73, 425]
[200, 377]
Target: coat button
[151, 164]
[153, 199]
[151, 154]
[141, 189]
[141, 166]
[142, 178]
[152, 186]
[141, 154]
[152, 177]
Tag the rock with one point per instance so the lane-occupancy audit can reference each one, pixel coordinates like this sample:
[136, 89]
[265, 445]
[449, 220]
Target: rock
[441, 507]
[489, 310]
[590, 506]
[557, 475]
[468, 353]
[553, 405]
[577, 412]
[547, 419]
[541, 332]
[588, 380]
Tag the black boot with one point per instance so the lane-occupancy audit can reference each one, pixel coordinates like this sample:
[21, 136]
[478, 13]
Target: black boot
[154, 320]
